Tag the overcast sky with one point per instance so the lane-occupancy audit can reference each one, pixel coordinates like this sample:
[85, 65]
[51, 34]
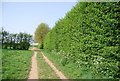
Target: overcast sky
[26, 16]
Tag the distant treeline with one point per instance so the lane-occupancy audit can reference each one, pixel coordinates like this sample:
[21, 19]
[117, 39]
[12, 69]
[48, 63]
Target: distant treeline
[19, 41]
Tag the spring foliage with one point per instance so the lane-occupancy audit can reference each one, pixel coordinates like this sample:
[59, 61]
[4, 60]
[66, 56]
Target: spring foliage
[89, 36]
[40, 34]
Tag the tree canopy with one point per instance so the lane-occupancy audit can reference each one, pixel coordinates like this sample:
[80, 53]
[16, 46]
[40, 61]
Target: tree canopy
[20, 41]
[40, 33]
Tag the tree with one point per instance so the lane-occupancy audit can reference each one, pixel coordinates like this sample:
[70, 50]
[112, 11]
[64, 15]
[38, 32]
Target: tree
[19, 41]
[5, 35]
[40, 33]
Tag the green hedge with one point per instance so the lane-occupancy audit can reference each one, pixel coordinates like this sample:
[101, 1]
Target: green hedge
[89, 36]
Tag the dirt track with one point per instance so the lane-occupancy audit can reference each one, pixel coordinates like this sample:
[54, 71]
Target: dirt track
[60, 74]
[34, 72]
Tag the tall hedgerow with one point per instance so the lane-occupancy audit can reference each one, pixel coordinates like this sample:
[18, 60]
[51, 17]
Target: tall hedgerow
[89, 35]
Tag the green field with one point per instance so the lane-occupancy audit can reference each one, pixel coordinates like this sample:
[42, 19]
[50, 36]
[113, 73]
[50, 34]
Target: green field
[16, 64]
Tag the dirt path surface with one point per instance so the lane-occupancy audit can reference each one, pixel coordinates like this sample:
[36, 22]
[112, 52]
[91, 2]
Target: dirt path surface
[34, 73]
[60, 74]
[34, 70]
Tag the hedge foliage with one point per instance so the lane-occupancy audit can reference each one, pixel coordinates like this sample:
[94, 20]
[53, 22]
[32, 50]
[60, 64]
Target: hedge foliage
[89, 36]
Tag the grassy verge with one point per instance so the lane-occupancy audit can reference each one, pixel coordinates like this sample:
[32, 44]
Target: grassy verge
[16, 64]
[70, 70]
[45, 71]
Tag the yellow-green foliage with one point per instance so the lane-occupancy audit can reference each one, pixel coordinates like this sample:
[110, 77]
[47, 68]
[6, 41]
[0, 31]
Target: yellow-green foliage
[89, 36]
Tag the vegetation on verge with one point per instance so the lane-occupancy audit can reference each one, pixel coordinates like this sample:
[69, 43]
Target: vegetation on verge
[44, 70]
[16, 64]
[70, 70]
[88, 36]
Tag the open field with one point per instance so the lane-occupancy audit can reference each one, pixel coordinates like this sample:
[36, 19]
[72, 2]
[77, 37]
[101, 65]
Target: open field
[16, 64]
